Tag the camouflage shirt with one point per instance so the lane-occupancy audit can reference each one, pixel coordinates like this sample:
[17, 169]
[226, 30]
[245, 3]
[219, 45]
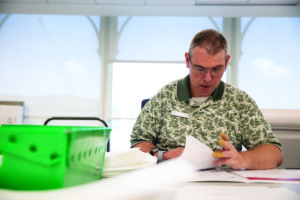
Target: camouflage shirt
[171, 115]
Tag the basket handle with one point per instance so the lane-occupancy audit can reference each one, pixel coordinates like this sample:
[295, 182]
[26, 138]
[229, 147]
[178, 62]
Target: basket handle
[80, 118]
[76, 118]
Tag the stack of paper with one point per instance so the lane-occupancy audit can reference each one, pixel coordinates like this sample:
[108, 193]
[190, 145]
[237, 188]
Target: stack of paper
[123, 162]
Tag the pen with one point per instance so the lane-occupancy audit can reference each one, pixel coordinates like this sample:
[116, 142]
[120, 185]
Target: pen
[212, 168]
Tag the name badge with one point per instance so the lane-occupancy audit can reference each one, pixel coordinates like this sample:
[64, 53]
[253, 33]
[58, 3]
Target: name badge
[179, 114]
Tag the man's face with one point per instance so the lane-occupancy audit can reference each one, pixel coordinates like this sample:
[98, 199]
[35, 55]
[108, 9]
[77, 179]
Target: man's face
[206, 71]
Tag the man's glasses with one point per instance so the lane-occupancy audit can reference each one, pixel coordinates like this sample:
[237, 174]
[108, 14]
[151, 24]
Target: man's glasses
[217, 71]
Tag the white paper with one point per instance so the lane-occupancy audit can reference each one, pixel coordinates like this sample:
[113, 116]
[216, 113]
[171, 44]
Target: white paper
[117, 163]
[197, 153]
[216, 175]
[214, 192]
[275, 174]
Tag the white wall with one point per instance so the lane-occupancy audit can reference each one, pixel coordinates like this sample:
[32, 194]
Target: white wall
[286, 126]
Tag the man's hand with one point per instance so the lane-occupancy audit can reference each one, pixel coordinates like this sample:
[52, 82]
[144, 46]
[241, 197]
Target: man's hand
[228, 155]
[146, 146]
[265, 156]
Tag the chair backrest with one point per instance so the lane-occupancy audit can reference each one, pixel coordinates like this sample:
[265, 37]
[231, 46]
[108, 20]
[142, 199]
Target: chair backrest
[144, 101]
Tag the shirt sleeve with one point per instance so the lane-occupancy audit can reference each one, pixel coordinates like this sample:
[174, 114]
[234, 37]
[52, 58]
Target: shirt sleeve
[254, 127]
[147, 125]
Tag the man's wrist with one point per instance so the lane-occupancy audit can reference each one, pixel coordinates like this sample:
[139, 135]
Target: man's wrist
[153, 150]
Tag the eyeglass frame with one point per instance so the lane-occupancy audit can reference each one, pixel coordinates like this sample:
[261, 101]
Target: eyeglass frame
[202, 70]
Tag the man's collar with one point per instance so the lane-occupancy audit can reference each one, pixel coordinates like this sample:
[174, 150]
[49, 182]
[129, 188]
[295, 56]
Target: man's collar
[183, 90]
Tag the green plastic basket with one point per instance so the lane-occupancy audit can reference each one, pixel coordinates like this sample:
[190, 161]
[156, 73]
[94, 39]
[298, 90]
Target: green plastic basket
[37, 157]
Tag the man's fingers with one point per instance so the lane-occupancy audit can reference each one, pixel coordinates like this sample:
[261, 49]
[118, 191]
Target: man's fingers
[226, 146]
[222, 142]
[225, 143]
[224, 136]
[217, 154]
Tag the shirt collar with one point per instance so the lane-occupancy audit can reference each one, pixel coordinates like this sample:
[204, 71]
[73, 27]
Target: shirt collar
[183, 90]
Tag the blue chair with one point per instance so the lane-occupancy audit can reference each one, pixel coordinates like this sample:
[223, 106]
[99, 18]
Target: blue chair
[144, 101]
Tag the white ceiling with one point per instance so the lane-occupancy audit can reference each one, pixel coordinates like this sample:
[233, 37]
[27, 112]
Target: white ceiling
[158, 2]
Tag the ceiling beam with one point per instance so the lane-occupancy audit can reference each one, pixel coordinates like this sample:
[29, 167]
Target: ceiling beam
[126, 10]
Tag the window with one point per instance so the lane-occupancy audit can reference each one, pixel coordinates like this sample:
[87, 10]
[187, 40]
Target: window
[51, 63]
[268, 69]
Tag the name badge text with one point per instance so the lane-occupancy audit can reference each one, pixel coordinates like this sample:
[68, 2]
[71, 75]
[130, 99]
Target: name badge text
[179, 114]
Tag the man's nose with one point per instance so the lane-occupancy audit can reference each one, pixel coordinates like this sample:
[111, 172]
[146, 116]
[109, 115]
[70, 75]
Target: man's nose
[207, 76]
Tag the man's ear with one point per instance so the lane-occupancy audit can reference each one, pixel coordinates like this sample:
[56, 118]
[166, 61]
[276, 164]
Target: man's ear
[227, 61]
[187, 59]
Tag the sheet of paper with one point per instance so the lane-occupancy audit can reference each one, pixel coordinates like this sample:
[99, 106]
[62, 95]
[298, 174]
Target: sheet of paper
[215, 175]
[270, 175]
[197, 153]
[213, 192]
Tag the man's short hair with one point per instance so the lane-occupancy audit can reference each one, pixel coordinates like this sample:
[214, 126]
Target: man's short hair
[211, 40]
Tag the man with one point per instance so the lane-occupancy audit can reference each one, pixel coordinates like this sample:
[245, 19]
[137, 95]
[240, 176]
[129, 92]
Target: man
[203, 106]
